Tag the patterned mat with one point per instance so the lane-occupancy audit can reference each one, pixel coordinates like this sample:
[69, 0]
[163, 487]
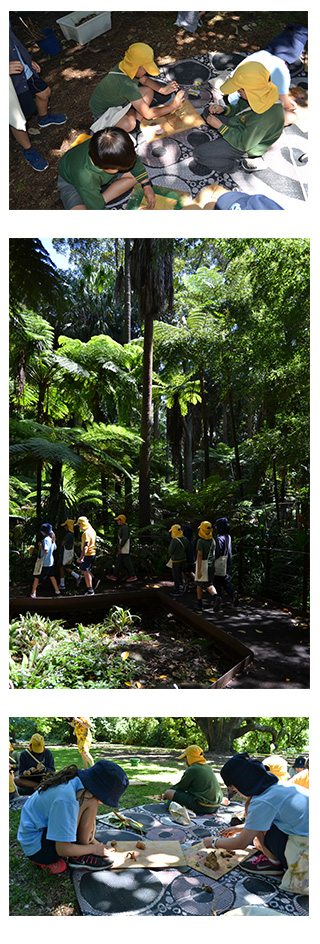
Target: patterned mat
[167, 892]
[170, 162]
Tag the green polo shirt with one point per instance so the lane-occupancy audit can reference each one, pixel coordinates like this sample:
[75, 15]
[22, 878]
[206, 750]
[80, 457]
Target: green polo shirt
[207, 548]
[200, 781]
[76, 168]
[114, 89]
[179, 549]
[248, 131]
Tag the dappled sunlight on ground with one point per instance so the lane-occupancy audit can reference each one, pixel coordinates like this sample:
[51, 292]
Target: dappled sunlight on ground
[73, 73]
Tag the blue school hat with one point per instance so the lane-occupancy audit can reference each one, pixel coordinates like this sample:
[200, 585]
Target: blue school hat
[46, 528]
[106, 780]
[248, 776]
[244, 201]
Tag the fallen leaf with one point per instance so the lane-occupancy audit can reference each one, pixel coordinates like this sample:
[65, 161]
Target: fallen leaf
[124, 655]
[242, 631]
[288, 680]
[259, 631]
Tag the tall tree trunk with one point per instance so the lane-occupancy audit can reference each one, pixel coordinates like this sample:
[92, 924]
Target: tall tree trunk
[225, 421]
[127, 290]
[187, 451]
[204, 426]
[235, 441]
[146, 424]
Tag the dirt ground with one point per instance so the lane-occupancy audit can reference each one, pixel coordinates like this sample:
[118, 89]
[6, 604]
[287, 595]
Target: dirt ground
[75, 72]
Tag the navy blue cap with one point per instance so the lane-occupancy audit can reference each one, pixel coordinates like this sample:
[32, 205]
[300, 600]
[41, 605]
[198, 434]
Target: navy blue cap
[106, 780]
[46, 528]
[248, 776]
[299, 761]
[237, 200]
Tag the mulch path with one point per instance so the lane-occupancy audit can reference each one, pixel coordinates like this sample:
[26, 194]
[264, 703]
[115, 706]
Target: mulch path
[76, 71]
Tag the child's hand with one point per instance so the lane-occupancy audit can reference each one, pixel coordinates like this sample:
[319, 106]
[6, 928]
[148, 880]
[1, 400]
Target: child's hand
[207, 842]
[168, 89]
[35, 66]
[215, 109]
[213, 122]
[15, 67]
[150, 197]
[178, 99]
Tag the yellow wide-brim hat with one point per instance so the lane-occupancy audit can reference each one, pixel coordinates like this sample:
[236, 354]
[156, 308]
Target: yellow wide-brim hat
[193, 754]
[254, 78]
[139, 54]
[121, 518]
[69, 523]
[83, 523]
[37, 744]
[205, 530]
[176, 531]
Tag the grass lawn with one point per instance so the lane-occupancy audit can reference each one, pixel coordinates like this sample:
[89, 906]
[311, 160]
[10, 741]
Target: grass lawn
[36, 892]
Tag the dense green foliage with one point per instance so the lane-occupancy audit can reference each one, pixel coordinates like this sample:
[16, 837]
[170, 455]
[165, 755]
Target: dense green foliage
[229, 431]
[290, 734]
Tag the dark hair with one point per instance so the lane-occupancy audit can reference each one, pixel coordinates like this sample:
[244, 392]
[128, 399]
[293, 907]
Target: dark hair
[62, 776]
[112, 148]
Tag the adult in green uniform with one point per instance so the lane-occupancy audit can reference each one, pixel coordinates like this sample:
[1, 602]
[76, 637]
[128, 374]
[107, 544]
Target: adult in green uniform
[247, 129]
[118, 99]
[198, 788]
[205, 553]
[179, 554]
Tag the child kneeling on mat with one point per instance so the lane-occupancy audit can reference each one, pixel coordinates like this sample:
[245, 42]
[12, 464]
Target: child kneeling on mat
[98, 169]
[58, 821]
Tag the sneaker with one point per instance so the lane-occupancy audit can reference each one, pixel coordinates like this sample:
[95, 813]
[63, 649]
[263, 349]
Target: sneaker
[89, 593]
[55, 867]
[57, 593]
[34, 158]
[261, 865]
[111, 577]
[77, 579]
[45, 120]
[33, 596]
[252, 164]
[216, 603]
[131, 579]
[90, 862]
[199, 607]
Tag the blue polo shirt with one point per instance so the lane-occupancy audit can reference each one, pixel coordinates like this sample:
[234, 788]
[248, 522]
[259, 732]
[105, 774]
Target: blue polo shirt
[55, 810]
[285, 806]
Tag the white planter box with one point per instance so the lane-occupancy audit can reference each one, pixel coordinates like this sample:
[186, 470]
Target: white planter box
[82, 34]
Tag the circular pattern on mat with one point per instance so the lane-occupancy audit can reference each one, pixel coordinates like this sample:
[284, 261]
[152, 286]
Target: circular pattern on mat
[193, 900]
[165, 833]
[159, 153]
[129, 891]
[186, 72]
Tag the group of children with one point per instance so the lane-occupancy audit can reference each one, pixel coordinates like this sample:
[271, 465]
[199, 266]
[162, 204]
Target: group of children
[249, 113]
[35, 763]
[208, 566]
[45, 567]
[57, 825]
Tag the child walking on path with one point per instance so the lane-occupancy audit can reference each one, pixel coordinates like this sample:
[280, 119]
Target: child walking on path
[44, 566]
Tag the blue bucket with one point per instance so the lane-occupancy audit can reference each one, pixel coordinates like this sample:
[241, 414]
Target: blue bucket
[50, 44]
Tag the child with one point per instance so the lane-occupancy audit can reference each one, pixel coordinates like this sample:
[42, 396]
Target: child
[81, 727]
[88, 552]
[198, 788]
[33, 95]
[223, 560]
[67, 552]
[35, 762]
[119, 101]
[123, 557]
[179, 553]
[47, 546]
[247, 129]
[58, 822]
[98, 169]
[204, 565]
[277, 816]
